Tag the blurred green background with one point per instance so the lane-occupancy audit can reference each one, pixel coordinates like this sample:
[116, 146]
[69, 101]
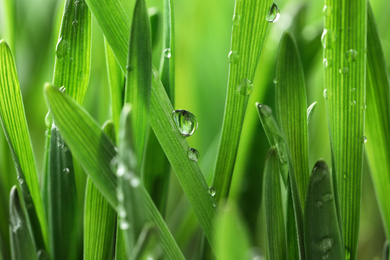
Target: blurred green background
[203, 30]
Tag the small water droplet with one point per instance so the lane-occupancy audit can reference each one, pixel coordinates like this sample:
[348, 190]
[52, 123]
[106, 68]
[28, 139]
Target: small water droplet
[343, 70]
[42, 255]
[327, 197]
[17, 225]
[135, 182]
[66, 170]
[75, 23]
[20, 180]
[121, 170]
[236, 20]
[48, 120]
[122, 213]
[129, 68]
[76, 2]
[273, 14]
[185, 121]
[212, 191]
[119, 195]
[327, 63]
[245, 88]
[63, 89]
[193, 154]
[351, 55]
[167, 53]
[233, 57]
[214, 205]
[275, 81]
[326, 256]
[124, 225]
[353, 103]
[264, 110]
[325, 94]
[364, 139]
[364, 107]
[62, 48]
[318, 204]
[327, 10]
[328, 38]
[326, 245]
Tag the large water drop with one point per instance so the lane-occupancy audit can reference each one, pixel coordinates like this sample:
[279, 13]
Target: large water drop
[185, 121]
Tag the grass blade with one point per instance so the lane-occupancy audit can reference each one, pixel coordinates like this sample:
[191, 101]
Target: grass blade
[322, 232]
[276, 236]
[62, 208]
[14, 124]
[344, 42]
[378, 119]
[249, 19]
[9, 22]
[291, 107]
[95, 152]
[139, 73]
[22, 245]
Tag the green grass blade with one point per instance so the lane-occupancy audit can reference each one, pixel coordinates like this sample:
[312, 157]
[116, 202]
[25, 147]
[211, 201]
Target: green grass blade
[248, 33]
[95, 152]
[344, 42]
[276, 233]
[22, 245]
[62, 209]
[9, 21]
[139, 73]
[14, 124]
[310, 111]
[386, 252]
[291, 107]
[231, 236]
[378, 119]
[120, 248]
[146, 243]
[155, 25]
[322, 232]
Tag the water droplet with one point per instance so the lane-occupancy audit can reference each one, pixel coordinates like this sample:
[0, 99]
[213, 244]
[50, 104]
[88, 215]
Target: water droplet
[119, 195]
[364, 139]
[20, 180]
[327, 10]
[48, 120]
[325, 94]
[214, 205]
[326, 256]
[364, 106]
[264, 110]
[124, 225]
[185, 121]
[135, 182]
[233, 57]
[17, 225]
[62, 48]
[318, 204]
[273, 14]
[275, 81]
[236, 20]
[66, 170]
[327, 197]
[76, 2]
[129, 68]
[193, 154]
[167, 53]
[327, 63]
[351, 55]
[326, 245]
[75, 23]
[121, 170]
[42, 255]
[328, 38]
[63, 89]
[212, 191]
[245, 88]
[343, 70]
[353, 103]
[122, 212]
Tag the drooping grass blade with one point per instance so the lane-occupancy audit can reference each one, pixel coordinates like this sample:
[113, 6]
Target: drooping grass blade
[22, 244]
[14, 124]
[248, 33]
[275, 223]
[378, 119]
[322, 233]
[344, 42]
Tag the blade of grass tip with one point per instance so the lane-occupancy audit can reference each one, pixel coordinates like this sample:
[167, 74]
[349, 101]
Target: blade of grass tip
[295, 235]
[155, 24]
[62, 208]
[15, 128]
[378, 119]
[344, 42]
[139, 73]
[99, 217]
[22, 245]
[156, 175]
[322, 232]
[231, 235]
[290, 100]
[310, 111]
[95, 152]
[116, 84]
[276, 233]
[250, 23]
[161, 121]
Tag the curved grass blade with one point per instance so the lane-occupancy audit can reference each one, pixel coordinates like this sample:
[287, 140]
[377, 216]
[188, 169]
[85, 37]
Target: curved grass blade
[291, 107]
[14, 124]
[22, 245]
[95, 152]
[378, 119]
[249, 20]
[344, 42]
[139, 73]
[276, 233]
[310, 111]
[62, 208]
[322, 232]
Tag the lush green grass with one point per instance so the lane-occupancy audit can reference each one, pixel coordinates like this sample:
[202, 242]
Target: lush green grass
[96, 165]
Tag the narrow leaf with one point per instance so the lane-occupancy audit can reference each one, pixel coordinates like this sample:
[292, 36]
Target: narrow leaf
[310, 111]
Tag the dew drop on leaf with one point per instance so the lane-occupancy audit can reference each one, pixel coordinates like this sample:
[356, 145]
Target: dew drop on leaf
[62, 48]
[264, 110]
[245, 88]
[327, 39]
[233, 57]
[351, 55]
[212, 191]
[48, 120]
[364, 139]
[185, 121]
[66, 170]
[167, 53]
[327, 63]
[236, 20]
[343, 70]
[193, 154]
[325, 94]
[327, 10]
[273, 14]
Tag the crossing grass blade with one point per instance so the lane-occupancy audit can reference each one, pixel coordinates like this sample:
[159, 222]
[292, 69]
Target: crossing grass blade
[344, 42]
[248, 33]
[161, 121]
[22, 245]
[276, 233]
[322, 233]
[378, 119]
[290, 94]
[14, 124]
[99, 217]
[139, 76]
[95, 152]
